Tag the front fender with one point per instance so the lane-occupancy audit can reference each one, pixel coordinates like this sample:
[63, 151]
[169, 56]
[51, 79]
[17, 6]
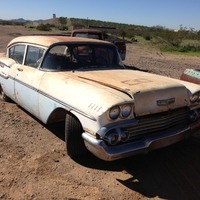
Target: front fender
[192, 87]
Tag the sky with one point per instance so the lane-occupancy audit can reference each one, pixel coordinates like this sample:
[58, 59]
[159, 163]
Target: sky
[171, 14]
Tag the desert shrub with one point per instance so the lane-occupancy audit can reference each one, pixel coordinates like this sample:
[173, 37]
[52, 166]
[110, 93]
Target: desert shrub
[31, 27]
[190, 47]
[172, 38]
[62, 28]
[147, 36]
[12, 23]
[63, 20]
[44, 27]
[185, 48]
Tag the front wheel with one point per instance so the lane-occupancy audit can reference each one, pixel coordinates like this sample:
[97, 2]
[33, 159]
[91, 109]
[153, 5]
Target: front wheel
[3, 96]
[74, 142]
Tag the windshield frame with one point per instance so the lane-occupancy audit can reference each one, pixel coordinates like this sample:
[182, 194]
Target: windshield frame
[67, 50]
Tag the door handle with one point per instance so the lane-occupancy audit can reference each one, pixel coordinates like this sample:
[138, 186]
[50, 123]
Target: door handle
[19, 69]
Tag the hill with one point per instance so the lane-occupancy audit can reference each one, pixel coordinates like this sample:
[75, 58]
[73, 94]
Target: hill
[183, 40]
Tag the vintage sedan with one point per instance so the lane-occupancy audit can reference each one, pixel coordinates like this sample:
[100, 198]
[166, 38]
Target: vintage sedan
[112, 111]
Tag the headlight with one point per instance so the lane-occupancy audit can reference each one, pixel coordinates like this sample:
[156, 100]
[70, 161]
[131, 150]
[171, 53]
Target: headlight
[115, 136]
[126, 110]
[194, 98]
[112, 138]
[114, 112]
[122, 111]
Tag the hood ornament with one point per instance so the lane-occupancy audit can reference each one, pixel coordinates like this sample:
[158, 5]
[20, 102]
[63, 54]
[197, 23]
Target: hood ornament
[165, 102]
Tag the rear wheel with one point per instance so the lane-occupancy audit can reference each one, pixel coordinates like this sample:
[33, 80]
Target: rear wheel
[74, 142]
[3, 96]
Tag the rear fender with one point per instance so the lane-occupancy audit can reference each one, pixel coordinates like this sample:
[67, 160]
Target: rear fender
[5, 65]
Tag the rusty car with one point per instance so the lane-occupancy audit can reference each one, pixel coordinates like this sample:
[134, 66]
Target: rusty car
[108, 110]
[100, 35]
[191, 75]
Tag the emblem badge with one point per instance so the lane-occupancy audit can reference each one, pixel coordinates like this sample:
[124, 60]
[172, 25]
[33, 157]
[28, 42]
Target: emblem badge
[165, 102]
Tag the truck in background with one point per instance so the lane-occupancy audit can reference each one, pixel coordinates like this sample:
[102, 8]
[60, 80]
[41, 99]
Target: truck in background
[100, 35]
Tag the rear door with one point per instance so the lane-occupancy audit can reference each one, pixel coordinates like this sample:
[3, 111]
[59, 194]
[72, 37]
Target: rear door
[27, 79]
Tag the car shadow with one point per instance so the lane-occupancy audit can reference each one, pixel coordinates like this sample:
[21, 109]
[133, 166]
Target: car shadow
[58, 129]
[89, 160]
[169, 173]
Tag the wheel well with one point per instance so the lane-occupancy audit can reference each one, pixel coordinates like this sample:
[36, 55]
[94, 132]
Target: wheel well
[3, 96]
[1, 89]
[59, 115]
[56, 122]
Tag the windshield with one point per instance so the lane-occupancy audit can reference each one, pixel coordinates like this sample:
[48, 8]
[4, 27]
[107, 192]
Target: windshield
[82, 57]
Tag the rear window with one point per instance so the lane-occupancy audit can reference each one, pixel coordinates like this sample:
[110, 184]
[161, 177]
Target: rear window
[17, 53]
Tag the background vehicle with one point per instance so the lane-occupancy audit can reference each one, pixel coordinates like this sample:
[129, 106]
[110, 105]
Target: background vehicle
[100, 35]
[191, 75]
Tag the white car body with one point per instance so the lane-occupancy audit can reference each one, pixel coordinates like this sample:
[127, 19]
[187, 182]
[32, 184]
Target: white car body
[121, 112]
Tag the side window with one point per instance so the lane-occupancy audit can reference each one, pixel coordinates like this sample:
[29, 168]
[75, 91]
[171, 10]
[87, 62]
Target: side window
[57, 58]
[17, 53]
[34, 56]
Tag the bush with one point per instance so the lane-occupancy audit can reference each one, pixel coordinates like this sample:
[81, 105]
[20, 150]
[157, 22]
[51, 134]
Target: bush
[31, 27]
[147, 36]
[44, 27]
[193, 48]
[186, 48]
[62, 28]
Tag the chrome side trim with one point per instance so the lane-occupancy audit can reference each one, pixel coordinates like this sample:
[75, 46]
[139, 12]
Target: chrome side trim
[66, 105]
[5, 77]
[69, 107]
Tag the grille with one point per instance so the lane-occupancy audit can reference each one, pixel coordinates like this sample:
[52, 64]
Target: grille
[158, 124]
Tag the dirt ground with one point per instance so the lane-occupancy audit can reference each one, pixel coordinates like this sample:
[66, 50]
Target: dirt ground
[34, 164]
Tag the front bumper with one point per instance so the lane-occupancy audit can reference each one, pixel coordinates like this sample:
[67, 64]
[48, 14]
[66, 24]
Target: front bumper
[108, 153]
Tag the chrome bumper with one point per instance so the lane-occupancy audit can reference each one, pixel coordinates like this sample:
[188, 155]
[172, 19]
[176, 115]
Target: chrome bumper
[108, 153]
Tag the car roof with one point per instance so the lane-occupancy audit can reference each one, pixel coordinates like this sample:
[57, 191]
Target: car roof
[49, 40]
[86, 31]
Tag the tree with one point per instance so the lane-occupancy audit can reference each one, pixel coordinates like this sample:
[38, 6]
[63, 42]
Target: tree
[63, 21]
[123, 34]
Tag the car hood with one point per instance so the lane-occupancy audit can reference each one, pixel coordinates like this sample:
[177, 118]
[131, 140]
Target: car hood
[151, 93]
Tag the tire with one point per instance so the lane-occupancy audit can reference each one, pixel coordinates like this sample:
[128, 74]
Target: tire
[3, 97]
[75, 146]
